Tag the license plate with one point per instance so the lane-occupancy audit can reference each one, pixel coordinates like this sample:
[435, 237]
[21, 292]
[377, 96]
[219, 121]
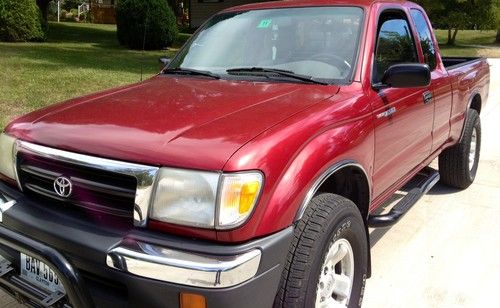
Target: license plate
[40, 274]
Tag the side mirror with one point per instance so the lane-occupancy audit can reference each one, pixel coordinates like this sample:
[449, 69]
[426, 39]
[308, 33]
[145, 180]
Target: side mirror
[164, 61]
[410, 75]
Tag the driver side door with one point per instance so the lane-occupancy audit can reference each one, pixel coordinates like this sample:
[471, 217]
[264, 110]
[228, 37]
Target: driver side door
[403, 117]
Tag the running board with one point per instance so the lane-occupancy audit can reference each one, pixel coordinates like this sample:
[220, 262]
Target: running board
[418, 187]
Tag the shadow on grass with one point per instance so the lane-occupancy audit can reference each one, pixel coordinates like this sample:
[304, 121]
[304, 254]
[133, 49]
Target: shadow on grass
[57, 57]
[451, 47]
[103, 36]
[87, 46]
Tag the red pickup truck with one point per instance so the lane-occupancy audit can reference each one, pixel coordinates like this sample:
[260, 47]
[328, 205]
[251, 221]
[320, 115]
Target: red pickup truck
[246, 173]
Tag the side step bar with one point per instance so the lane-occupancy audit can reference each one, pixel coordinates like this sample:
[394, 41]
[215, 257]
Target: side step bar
[419, 186]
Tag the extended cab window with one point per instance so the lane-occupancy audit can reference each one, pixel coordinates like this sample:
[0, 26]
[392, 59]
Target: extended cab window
[424, 33]
[394, 45]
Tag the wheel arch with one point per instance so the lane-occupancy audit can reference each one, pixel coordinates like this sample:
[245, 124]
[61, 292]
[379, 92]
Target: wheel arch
[346, 178]
[344, 174]
[475, 103]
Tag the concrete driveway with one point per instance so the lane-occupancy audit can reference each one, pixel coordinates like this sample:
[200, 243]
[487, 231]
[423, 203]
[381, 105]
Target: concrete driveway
[446, 251]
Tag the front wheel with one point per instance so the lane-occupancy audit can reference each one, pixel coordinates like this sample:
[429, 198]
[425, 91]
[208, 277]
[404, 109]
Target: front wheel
[327, 261]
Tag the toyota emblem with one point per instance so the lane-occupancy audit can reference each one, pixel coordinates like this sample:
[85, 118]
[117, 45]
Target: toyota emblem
[63, 187]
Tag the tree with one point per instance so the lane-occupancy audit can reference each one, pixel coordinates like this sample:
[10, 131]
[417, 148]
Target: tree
[44, 7]
[150, 24]
[21, 20]
[455, 15]
[497, 19]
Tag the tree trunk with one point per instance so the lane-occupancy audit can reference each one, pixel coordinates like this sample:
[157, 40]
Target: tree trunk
[44, 7]
[452, 37]
[498, 36]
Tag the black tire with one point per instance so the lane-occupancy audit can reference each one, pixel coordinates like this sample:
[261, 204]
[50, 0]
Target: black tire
[454, 161]
[327, 219]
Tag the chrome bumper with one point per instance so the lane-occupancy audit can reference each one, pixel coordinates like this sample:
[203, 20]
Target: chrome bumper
[180, 267]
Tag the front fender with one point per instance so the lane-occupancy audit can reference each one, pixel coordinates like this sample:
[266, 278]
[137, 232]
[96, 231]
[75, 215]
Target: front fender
[349, 144]
[288, 181]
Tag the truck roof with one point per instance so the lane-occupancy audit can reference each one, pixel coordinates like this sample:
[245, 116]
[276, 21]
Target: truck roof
[306, 3]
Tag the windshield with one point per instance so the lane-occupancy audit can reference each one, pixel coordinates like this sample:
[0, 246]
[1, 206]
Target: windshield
[319, 42]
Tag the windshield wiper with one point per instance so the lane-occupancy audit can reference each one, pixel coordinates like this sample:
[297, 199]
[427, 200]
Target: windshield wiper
[280, 72]
[190, 71]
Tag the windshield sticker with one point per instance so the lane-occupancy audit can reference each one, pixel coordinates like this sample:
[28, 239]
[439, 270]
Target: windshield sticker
[264, 23]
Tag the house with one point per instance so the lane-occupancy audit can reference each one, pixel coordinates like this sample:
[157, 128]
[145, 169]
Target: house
[103, 11]
[201, 10]
[198, 11]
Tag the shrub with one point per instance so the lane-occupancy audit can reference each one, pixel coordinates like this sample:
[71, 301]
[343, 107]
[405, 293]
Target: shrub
[52, 11]
[133, 15]
[62, 14]
[20, 21]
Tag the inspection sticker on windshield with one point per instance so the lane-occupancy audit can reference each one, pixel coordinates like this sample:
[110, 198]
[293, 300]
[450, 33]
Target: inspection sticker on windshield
[264, 23]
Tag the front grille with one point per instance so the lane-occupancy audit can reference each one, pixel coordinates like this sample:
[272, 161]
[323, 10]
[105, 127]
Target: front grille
[92, 189]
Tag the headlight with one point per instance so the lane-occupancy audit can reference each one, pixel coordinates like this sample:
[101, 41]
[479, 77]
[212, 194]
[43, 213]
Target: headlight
[185, 197]
[205, 199]
[7, 156]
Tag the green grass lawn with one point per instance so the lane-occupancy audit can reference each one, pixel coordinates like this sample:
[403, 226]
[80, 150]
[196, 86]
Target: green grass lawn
[76, 59]
[470, 44]
[83, 58]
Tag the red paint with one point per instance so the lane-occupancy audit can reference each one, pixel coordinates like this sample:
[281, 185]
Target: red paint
[166, 120]
[291, 132]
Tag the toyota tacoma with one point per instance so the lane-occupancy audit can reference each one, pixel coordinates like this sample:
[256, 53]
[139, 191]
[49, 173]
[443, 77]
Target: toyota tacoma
[248, 172]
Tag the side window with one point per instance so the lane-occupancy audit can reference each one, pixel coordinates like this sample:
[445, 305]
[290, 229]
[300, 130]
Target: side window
[424, 33]
[394, 45]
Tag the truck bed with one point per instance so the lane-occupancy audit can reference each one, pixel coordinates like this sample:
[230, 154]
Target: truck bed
[455, 62]
[469, 77]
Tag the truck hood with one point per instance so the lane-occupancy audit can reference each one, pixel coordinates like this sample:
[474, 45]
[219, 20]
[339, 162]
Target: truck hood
[169, 121]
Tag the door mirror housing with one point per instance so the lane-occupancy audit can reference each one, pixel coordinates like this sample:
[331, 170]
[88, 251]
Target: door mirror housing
[410, 75]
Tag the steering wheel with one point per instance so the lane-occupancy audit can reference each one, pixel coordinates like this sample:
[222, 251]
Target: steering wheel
[335, 60]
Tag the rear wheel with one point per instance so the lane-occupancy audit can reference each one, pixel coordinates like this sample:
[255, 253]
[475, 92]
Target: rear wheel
[327, 261]
[458, 164]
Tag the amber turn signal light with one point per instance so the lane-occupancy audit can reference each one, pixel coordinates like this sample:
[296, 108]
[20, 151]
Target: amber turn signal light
[190, 300]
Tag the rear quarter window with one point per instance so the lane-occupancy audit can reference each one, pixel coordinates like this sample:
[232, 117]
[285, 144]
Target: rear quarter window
[425, 36]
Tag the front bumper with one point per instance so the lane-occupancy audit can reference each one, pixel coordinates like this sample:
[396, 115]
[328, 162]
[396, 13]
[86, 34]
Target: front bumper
[186, 268]
[103, 266]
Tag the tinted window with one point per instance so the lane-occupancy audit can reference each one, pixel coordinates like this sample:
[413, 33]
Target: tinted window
[395, 45]
[424, 33]
[321, 42]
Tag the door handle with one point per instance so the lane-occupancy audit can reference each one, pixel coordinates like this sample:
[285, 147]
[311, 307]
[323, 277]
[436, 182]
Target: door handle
[387, 114]
[427, 97]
